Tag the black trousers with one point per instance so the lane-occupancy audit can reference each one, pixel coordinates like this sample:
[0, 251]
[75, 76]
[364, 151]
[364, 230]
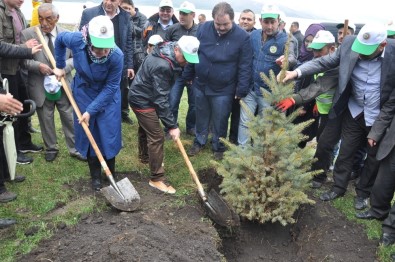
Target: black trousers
[234, 121]
[353, 136]
[4, 174]
[18, 89]
[124, 96]
[384, 187]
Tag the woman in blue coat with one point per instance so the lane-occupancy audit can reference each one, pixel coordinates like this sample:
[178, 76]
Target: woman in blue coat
[98, 63]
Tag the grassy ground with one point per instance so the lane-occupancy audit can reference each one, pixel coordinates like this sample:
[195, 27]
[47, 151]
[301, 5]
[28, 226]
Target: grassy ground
[44, 189]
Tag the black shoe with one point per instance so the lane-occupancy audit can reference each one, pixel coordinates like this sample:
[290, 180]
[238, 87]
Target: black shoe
[330, 195]
[7, 196]
[51, 155]
[194, 150]
[316, 184]
[368, 215]
[17, 179]
[360, 203]
[31, 149]
[23, 159]
[387, 239]
[218, 156]
[78, 156]
[96, 184]
[191, 132]
[32, 130]
[127, 120]
[6, 222]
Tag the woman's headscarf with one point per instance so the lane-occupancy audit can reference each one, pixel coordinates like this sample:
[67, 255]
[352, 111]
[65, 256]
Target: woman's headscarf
[306, 55]
[87, 40]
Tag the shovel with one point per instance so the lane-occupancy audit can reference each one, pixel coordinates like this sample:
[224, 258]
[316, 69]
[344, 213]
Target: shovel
[122, 195]
[217, 209]
[8, 132]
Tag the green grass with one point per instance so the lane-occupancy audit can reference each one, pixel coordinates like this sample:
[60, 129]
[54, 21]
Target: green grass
[45, 188]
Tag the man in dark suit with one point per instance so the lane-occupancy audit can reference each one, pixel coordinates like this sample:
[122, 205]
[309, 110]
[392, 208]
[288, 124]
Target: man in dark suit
[366, 92]
[382, 135]
[123, 32]
[40, 67]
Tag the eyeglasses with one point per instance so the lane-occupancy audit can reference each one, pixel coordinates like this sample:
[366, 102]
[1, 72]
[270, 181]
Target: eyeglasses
[165, 10]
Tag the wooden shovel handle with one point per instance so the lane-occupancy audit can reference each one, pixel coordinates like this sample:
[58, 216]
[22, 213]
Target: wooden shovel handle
[74, 104]
[345, 28]
[191, 170]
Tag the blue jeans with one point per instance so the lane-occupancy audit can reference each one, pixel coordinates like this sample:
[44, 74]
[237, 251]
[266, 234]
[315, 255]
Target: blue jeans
[214, 110]
[175, 98]
[252, 101]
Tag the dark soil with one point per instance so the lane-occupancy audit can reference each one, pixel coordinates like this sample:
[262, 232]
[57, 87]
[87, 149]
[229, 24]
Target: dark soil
[161, 230]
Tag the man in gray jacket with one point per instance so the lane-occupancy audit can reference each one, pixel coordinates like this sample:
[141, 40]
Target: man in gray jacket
[366, 92]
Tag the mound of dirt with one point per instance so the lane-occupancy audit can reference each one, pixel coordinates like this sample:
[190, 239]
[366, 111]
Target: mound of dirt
[162, 231]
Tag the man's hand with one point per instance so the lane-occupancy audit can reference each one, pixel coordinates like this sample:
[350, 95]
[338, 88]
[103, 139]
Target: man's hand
[371, 142]
[36, 49]
[175, 133]
[315, 110]
[284, 104]
[31, 43]
[280, 61]
[289, 75]
[130, 73]
[45, 69]
[10, 105]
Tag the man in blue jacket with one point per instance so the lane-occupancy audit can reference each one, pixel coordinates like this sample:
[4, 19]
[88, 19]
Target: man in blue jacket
[223, 73]
[123, 31]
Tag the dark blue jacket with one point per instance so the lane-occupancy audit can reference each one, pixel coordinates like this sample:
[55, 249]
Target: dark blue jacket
[225, 62]
[125, 29]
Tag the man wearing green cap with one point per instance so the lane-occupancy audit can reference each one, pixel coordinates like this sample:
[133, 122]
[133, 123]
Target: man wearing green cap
[366, 92]
[149, 99]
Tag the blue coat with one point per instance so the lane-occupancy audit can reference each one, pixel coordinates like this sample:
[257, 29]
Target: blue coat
[96, 90]
[225, 62]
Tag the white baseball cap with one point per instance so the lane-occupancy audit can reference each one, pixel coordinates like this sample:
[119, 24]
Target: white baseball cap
[189, 46]
[350, 26]
[155, 39]
[52, 88]
[369, 38]
[391, 28]
[270, 11]
[164, 3]
[187, 7]
[321, 39]
[101, 32]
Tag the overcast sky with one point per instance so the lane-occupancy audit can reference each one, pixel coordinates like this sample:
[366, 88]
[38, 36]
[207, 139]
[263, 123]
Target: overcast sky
[356, 11]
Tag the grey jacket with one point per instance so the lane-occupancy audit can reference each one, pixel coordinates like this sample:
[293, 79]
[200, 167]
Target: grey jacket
[9, 66]
[346, 60]
[36, 79]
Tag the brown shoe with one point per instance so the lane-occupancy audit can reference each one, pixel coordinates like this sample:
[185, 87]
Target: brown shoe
[160, 185]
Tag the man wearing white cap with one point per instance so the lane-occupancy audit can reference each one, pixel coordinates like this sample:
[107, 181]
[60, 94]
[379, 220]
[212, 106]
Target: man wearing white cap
[268, 45]
[186, 26]
[149, 99]
[98, 65]
[365, 93]
[153, 41]
[158, 23]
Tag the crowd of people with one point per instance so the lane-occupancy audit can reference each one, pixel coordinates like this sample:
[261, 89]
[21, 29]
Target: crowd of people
[125, 62]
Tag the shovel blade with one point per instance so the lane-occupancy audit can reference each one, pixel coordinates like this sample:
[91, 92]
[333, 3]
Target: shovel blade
[219, 211]
[131, 200]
